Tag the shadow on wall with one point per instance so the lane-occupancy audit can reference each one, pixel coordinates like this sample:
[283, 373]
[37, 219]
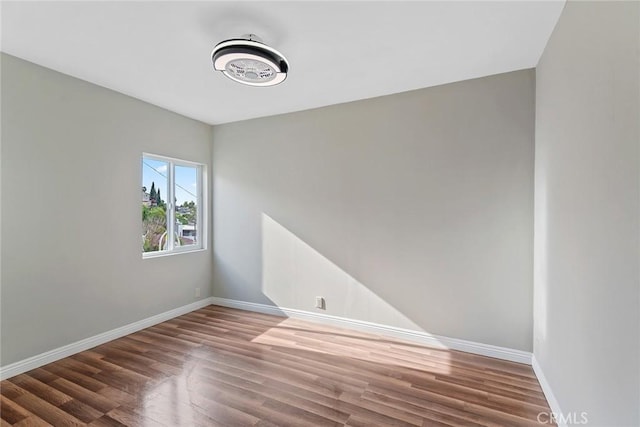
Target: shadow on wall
[540, 245]
[293, 273]
[236, 281]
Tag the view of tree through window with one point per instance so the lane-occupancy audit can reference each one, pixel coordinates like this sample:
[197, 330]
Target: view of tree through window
[166, 225]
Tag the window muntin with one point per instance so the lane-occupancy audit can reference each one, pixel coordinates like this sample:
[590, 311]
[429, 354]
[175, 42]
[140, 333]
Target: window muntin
[165, 180]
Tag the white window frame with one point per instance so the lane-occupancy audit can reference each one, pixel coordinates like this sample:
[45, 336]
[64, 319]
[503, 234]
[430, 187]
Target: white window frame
[201, 228]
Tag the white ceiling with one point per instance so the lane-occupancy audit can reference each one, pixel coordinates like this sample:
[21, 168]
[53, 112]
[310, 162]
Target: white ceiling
[339, 51]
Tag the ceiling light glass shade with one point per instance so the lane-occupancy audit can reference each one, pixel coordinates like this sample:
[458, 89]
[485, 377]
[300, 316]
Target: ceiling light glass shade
[250, 62]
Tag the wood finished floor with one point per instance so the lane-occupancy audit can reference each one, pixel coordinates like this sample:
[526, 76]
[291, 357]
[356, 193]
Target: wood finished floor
[221, 367]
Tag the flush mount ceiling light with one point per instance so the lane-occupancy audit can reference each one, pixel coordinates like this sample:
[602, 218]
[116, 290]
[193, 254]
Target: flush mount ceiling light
[249, 61]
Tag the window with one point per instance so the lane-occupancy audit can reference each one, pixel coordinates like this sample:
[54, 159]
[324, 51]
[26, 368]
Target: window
[172, 205]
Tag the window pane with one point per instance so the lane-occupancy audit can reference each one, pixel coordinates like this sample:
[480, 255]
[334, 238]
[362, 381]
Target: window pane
[154, 205]
[186, 191]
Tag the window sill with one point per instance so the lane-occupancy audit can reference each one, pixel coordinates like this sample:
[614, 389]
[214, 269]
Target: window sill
[160, 254]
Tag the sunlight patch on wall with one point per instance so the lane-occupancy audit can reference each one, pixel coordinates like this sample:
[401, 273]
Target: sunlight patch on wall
[293, 274]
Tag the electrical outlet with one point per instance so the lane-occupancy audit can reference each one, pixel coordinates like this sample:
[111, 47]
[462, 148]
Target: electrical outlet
[320, 303]
[197, 293]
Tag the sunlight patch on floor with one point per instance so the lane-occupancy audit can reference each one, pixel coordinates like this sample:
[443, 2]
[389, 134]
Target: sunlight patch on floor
[298, 335]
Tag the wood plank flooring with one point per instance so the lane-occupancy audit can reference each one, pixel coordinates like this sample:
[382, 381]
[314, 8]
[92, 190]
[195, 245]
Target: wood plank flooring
[223, 367]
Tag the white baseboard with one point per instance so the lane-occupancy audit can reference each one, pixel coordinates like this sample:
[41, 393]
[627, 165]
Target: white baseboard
[400, 333]
[425, 338]
[546, 389]
[42, 359]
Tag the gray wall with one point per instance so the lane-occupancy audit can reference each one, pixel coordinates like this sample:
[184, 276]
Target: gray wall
[413, 210]
[71, 249]
[587, 289]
